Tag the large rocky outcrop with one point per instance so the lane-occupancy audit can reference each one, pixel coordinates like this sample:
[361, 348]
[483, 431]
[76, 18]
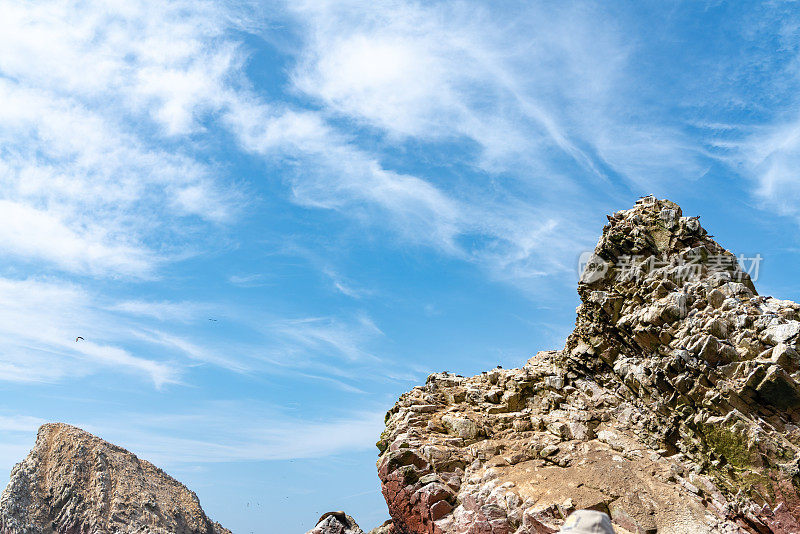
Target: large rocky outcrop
[75, 483]
[674, 406]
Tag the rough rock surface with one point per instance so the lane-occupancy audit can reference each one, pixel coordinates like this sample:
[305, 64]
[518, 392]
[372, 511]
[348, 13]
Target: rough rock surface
[75, 483]
[674, 406]
[336, 523]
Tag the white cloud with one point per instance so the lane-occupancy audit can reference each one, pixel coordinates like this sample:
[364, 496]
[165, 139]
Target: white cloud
[346, 287]
[82, 149]
[161, 310]
[246, 280]
[39, 324]
[326, 333]
[327, 171]
[37, 234]
[770, 156]
[540, 96]
[238, 431]
[525, 84]
[20, 423]
[340, 351]
[195, 351]
[159, 372]
[17, 434]
[168, 59]
[41, 319]
[393, 79]
[88, 94]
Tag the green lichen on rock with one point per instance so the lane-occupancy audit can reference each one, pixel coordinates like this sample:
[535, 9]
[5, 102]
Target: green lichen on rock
[383, 443]
[410, 475]
[729, 445]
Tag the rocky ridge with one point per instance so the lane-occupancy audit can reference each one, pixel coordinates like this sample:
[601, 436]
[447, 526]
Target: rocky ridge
[674, 406]
[75, 483]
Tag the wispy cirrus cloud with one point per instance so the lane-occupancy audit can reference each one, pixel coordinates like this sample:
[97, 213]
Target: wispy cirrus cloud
[163, 310]
[197, 350]
[337, 350]
[231, 432]
[17, 434]
[762, 144]
[545, 120]
[40, 322]
[248, 432]
[771, 158]
[522, 84]
[45, 235]
[346, 287]
[331, 173]
[336, 338]
[85, 187]
[20, 423]
[426, 73]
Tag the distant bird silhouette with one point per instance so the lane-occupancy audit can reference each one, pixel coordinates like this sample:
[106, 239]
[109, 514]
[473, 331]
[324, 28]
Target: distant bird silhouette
[210, 319]
[79, 338]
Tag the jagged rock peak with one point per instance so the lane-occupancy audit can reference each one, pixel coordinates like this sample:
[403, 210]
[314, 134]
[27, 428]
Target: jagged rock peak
[75, 483]
[654, 238]
[674, 406]
[653, 267]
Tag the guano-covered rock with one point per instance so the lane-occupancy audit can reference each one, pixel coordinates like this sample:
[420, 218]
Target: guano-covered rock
[75, 483]
[674, 406]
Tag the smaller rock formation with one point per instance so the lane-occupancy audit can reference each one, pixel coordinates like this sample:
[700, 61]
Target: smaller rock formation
[386, 528]
[75, 483]
[336, 523]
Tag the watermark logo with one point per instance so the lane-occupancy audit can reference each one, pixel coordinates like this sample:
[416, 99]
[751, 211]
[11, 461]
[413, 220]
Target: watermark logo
[592, 268]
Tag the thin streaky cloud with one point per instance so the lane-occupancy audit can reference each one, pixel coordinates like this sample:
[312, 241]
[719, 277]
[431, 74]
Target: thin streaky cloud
[243, 432]
[162, 310]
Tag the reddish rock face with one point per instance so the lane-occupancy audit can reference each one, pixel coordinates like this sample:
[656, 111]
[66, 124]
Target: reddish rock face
[415, 504]
[674, 406]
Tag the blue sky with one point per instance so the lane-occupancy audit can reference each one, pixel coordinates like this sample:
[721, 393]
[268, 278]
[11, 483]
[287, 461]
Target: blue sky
[270, 219]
